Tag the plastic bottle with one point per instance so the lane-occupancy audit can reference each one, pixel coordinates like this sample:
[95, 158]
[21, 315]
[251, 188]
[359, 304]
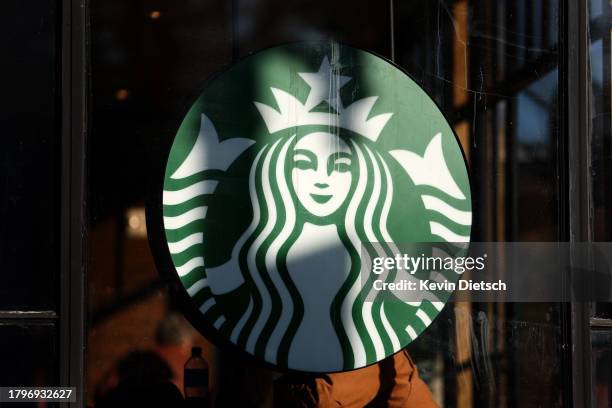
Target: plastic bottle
[196, 380]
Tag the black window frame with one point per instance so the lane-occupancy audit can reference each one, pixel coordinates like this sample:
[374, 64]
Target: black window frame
[74, 122]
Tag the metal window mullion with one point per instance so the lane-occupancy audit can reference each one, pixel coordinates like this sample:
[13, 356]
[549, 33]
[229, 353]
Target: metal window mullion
[73, 225]
[578, 180]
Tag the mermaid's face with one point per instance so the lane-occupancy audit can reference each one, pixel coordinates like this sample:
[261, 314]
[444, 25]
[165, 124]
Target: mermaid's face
[321, 174]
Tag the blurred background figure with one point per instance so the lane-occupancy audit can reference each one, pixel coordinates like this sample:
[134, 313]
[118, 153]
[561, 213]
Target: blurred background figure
[174, 340]
[144, 380]
[150, 377]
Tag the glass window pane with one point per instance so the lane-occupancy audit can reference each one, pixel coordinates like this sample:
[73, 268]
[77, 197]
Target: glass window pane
[29, 155]
[601, 76]
[262, 24]
[601, 341]
[29, 354]
[601, 86]
[491, 66]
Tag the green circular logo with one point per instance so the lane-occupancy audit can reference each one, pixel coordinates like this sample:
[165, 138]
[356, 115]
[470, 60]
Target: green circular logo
[286, 165]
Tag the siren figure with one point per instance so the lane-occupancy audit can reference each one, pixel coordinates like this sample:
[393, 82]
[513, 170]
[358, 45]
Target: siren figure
[316, 195]
[319, 187]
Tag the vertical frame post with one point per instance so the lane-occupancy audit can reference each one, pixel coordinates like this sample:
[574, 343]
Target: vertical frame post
[74, 40]
[576, 146]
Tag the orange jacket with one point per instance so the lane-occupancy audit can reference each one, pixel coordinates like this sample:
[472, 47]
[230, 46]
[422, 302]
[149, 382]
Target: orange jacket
[393, 382]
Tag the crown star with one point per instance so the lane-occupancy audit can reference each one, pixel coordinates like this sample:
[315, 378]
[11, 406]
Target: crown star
[324, 86]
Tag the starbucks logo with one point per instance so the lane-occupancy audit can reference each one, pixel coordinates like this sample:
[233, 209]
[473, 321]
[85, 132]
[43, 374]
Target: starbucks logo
[287, 163]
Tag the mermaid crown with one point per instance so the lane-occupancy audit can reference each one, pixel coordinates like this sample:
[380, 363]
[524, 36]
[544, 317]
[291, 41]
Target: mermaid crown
[324, 86]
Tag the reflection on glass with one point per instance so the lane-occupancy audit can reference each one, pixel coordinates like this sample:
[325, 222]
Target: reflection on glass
[534, 216]
[500, 86]
[601, 134]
